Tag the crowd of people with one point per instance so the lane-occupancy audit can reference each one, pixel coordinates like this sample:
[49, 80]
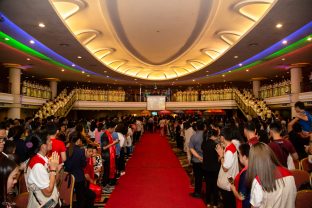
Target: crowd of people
[36, 90]
[247, 164]
[243, 163]
[39, 151]
[276, 89]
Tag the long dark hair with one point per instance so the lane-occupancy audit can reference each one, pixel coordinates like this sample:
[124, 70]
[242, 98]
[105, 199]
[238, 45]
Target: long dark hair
[6, 167]
[262, 163]
[35, 141]
[73, 138]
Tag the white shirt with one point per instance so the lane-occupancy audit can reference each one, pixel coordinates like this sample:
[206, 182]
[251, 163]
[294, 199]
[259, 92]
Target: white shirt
[121, 139]
[39, 174]
[230, 163]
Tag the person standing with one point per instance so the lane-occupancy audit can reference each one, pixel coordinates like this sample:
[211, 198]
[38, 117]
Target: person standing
[211, 166]
[108, 146]
[197, 158]
[271, 184]
[229, 167]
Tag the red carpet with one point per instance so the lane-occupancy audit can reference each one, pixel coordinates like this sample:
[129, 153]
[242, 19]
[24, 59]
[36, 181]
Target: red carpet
[154, 179]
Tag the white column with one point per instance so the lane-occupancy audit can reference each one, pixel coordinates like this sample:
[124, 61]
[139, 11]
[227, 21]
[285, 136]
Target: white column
[256, 87]
[53, 86]
[15, 84]
[295, 80]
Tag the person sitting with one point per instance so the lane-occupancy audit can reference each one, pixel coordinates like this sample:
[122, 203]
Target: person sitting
[304, 118]
[41, 172]
[9, 173]
[271, 184]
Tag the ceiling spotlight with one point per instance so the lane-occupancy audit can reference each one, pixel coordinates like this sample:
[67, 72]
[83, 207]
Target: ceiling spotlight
[207, 71]
[207, 75]
[73, 65]
[247, 70]
[83, 72]
[28, 59]
[105, 71]
[79, 57]
[107, 76]
[41, 25]
[63, 70]
[230, 71]
[6, 39]
[235, 57]
[223, 75]
[284, 42]
[88, 75]
[309, 38]
[193, 80]
[32, 42]
[283, 59]
[279, 25]
[135, 79]
[240, 64]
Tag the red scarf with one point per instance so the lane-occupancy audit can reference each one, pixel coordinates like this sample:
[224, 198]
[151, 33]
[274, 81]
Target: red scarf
[239, 203]
[112, 155]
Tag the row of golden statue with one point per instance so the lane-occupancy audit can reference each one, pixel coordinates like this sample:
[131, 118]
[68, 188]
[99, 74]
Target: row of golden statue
[101, 95]
[205, 95]
[251, 105]
[52, 106]
[276, 89]
[36, 90]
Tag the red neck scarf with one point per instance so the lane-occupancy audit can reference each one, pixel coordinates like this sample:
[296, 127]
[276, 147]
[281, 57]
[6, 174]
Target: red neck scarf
[112, 155]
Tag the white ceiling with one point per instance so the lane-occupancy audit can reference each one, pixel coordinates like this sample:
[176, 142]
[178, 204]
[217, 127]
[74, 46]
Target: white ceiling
[173, 41]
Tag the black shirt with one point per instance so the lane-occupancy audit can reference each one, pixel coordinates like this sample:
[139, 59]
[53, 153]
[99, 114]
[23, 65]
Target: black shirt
[210, 155]
[76, 163]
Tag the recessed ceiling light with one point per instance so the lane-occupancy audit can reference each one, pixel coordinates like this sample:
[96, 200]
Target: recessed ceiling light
[88, 75]
[235, 57]
[279, 25]
[284, 42]
[105, 71]
[73, 65]
[135, 79]
[89, 81]
[240, 64]
[283, 59]
[79, 57]
[28, 59]
[83, 72]
[309, 39]
[230, 71]
[223, 75]
[63, 70]
[32, 42]
[6, 39]
[41, 25]
[32, 76]
[207, 71]
[107, 76]
[247, 70]
[207, 75]
[193, 80]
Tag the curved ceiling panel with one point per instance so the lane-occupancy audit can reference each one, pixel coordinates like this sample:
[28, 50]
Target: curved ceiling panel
[160, 39]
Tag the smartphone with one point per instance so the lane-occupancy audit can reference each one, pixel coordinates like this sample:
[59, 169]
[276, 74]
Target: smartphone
[231, 180]
[49, 204]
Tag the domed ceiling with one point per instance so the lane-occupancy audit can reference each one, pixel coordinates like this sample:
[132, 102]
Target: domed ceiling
[159, 39]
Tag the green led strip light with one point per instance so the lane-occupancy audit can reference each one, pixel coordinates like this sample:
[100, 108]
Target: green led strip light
[8, 40]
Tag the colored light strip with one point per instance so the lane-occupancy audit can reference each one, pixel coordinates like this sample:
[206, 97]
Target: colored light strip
[21, 40]
[8, 40]
[276, 50]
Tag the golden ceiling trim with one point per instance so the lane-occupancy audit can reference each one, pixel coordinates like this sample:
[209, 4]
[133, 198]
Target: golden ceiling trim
[215, 37]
